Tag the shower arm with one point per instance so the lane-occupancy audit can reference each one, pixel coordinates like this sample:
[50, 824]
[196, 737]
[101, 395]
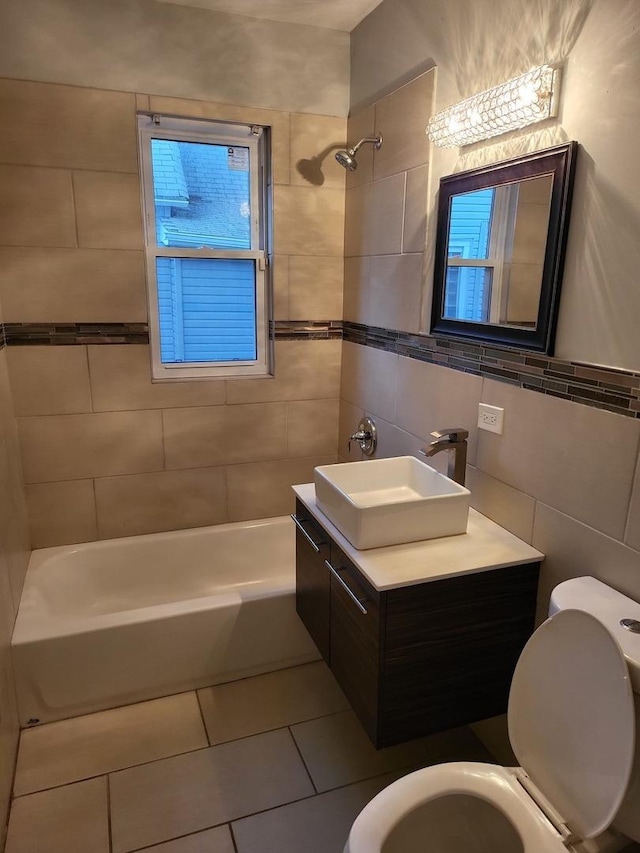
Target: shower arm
[377, 141]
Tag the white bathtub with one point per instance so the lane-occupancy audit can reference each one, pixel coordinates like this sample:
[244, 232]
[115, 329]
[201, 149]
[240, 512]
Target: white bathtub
[108, 623]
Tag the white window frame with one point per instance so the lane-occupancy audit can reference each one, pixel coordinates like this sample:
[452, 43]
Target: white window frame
[193, 130]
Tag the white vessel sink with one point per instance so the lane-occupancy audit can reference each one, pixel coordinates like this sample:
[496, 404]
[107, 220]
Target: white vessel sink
[390, 501]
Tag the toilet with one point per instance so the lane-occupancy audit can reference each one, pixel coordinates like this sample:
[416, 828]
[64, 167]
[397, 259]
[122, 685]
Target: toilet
[573, 706]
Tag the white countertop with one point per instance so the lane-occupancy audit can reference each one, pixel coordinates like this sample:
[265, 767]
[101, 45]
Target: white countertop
[483, 547]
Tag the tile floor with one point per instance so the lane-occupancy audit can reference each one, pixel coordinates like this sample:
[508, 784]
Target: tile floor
[272, 764]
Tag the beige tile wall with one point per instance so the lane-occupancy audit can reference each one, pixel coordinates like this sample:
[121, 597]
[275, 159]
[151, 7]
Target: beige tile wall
[105, 451]
[14, 552]
[563, 476]
[386, 210]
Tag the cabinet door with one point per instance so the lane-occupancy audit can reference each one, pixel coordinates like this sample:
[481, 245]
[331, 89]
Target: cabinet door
[312, 579]
[451, 648]
[355, 639]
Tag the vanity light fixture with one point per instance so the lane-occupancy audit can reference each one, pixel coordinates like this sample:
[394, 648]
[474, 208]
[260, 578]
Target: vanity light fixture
[517, 103]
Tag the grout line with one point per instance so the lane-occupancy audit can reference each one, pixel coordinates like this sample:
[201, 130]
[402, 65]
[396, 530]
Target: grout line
[229, 823]
[171, 756]
[331, 790]
[225, 477]
[533, 527]
[267, 731]
[178, 754]
[193, 834]
[12, 796]
[88, 361]
[102, 773]
[49, 167]
[632, 488]
[202, 717]
[404, 211]
[76, 86]
[95, 507]
[273, 808]
[302, 758]
[109, 829]
[163, 443]
[74, 208]
[233, 837]
[286, 429]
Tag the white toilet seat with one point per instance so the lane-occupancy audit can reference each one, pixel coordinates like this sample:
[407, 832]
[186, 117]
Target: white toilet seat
[491, 783]
[572, 726]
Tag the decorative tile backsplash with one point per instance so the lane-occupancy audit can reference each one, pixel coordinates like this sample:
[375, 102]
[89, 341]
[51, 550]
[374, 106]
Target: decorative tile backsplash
[70, 334]
[292, 330]
[75, 334]
[604, 388]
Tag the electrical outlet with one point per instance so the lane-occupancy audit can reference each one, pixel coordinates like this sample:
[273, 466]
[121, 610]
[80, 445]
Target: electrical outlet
[490, 418]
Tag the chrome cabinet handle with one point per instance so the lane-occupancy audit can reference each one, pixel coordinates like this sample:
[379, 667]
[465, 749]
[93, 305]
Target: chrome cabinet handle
[314, 545]
[359, 604]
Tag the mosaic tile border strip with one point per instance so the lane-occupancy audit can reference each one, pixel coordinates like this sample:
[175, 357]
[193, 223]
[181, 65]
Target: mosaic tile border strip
[72, 334]
[292, 330]
[604, 388]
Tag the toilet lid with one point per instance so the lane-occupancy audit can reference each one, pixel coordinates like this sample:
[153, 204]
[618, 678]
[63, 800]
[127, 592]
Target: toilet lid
[572, 721]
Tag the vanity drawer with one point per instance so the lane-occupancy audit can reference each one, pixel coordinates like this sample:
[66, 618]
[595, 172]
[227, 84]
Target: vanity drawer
[313, 588]
[451, 649]
[355, 638]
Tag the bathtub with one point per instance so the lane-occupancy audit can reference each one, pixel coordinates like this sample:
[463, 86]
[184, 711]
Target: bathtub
[108, 623]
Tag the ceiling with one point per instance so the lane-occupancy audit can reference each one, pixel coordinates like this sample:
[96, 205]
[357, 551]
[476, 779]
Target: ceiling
[330, 14]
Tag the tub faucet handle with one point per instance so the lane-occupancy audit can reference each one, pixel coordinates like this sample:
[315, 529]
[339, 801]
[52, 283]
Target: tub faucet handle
[366, 436]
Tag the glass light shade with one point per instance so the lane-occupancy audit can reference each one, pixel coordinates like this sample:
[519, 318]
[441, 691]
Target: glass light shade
[517, 103]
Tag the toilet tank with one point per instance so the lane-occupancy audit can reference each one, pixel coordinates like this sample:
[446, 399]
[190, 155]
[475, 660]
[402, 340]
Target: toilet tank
[611, 607]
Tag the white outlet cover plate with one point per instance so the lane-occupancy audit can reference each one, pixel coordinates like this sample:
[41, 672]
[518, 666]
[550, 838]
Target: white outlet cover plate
[490, 418]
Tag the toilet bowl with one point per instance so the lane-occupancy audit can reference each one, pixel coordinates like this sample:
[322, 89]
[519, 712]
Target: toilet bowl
[572, 724]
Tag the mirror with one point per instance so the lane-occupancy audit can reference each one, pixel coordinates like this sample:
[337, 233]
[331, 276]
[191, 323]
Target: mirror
[500, 244]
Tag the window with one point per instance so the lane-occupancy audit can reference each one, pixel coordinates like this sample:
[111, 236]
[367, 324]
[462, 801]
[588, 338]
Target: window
[204, 195]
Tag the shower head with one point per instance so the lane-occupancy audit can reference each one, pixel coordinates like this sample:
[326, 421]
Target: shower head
[347, 156]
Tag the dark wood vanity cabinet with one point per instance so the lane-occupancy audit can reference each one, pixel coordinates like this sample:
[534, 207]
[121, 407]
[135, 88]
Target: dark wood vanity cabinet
[356, 639]
[417, 659]
[313, 587]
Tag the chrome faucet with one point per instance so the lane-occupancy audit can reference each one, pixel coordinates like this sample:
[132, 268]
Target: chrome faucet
[453, 440]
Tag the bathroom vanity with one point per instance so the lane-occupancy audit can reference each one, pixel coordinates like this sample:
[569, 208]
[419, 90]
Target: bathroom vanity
[423, 636]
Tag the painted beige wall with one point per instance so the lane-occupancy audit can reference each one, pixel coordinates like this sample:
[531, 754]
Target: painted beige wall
[478, 44]
[106, 452]
[167, 49]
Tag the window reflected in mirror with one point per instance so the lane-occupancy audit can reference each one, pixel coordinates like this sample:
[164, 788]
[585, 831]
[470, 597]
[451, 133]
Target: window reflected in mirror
[500, 243]
[495, 256]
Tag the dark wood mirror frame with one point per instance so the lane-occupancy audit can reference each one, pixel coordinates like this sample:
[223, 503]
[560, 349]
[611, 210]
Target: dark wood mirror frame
[558, 162]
